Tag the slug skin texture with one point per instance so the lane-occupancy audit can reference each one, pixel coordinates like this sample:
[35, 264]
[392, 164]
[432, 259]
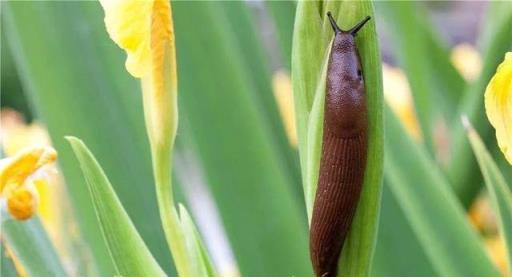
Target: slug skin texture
[344, 150]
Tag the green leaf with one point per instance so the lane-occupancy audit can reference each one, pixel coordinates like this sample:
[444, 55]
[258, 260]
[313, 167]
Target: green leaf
[494, 42]
[499, 191]
[257, 73]
[31, 246]
[431, 207]
[411, 49]
[127, 249]
[312, 36]
[283, 15]
[426, 62]
[195, 244]
[236, 146]
[397, 239]
[75, 78]
[7, 268]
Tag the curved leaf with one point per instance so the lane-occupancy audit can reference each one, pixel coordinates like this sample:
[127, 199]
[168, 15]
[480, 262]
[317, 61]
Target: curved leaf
[127, 249]
[499, 191]
[431, 207]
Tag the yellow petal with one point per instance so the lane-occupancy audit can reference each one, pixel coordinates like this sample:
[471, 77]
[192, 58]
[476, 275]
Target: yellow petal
[498, 105]
[18, 168]
[128, 23]
[138, 27]
[144, 29]
[160, 86]
[22, 202]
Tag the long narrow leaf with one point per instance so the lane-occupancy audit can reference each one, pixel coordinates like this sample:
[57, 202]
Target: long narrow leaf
[431, 207]
[499, 191]
[494, 42]
[396, 238]
[7, 267]
[127, 249]
[195, 244]
[411, 43]
[236, 147]
[257, 73]
[283, 13]
[31, 246]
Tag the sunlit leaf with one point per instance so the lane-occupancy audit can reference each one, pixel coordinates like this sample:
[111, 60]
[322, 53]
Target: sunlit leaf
[127, 249]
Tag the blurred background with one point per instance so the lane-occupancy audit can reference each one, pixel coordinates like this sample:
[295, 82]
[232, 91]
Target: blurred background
[236, 163]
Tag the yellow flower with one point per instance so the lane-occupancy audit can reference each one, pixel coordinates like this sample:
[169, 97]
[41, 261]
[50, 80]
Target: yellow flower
[498, 105]
[467, 61]
[398, 96]
[144, 29]
[17, 177]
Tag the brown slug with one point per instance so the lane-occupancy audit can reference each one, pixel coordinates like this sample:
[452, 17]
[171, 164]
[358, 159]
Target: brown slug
[344, 150]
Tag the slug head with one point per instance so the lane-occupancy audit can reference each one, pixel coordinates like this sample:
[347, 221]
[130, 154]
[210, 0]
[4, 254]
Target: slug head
[345, 103]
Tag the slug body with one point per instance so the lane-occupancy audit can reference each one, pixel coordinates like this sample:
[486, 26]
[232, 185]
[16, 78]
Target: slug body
[344, 150]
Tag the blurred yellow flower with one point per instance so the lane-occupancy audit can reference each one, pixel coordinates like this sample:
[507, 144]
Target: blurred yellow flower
[398, 96]
[17, 176]
[498, 105]
[282, 87]
[467, 61]
[51, 197]
[481, 215]
[498, 251]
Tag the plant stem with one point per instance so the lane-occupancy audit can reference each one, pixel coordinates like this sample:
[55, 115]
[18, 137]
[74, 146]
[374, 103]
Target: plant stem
[168, 215]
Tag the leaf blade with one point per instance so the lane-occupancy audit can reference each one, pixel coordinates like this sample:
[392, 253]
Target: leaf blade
[223, 108]
[127, 249]
[32, 246]
[195, 244]
[494, 43]
[499, 191]
[449, 241]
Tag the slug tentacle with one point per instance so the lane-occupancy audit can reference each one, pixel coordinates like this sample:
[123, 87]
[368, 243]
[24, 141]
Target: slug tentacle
[344, 150]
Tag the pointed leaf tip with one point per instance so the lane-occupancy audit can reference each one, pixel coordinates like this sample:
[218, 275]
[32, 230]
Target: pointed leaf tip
[128, 251]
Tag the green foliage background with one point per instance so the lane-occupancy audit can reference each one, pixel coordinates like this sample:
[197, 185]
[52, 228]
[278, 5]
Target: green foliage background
[75, 81]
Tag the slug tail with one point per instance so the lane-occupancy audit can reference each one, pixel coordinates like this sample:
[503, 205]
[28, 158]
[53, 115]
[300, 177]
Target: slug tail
[336, 200]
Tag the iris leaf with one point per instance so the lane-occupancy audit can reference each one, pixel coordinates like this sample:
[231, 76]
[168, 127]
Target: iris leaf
[31, 246]
[499, 191]
[430, 206]
[127, 249]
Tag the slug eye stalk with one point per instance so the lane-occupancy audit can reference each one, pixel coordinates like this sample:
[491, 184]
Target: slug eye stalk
[353, 31]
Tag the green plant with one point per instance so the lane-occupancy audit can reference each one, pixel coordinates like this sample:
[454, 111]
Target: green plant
[412, 214]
